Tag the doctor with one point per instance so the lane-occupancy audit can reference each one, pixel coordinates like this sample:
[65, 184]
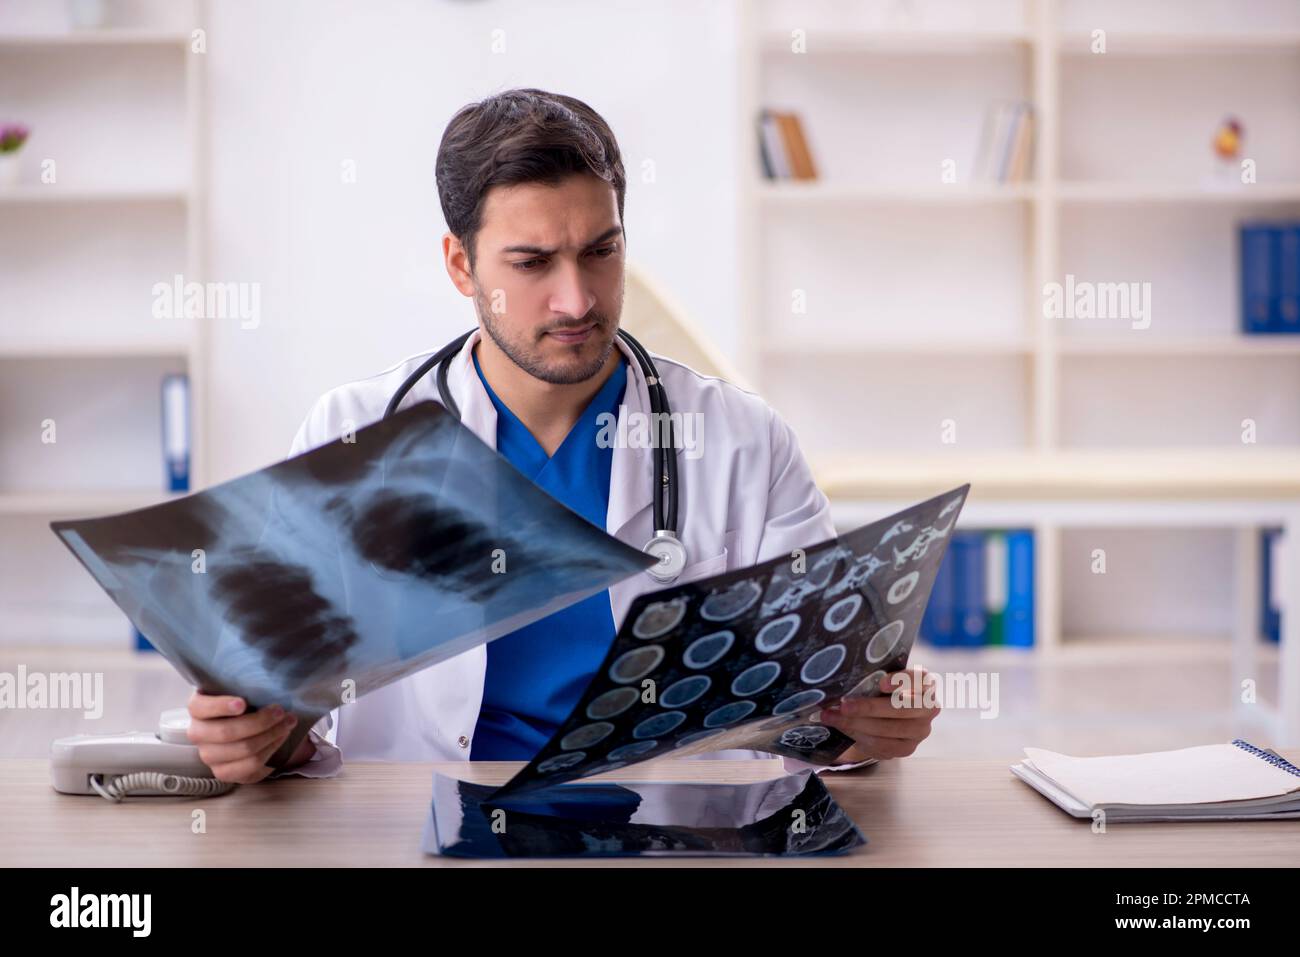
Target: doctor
[531, 186]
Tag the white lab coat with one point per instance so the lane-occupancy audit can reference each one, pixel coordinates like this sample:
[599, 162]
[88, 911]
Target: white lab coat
[747, 495]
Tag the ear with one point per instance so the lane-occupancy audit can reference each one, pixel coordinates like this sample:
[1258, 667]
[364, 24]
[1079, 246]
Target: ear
[456, 259]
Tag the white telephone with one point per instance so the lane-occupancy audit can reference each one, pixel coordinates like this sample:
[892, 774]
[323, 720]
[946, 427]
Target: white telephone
[161, 762]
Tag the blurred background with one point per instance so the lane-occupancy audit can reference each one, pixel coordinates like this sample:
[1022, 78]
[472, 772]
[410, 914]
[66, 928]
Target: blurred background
[1050, 247]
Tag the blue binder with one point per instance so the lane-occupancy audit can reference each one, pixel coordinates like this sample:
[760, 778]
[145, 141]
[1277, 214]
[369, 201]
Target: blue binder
[967, 550]
[1020, 588]
[1286, 307]
[1258, 279]
[1270, 617]
[937, 623]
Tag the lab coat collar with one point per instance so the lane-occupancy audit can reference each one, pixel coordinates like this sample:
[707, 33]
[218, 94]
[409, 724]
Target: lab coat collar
[630, 490]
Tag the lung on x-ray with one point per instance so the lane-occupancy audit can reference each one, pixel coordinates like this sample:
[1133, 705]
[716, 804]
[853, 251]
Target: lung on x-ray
[347, 567]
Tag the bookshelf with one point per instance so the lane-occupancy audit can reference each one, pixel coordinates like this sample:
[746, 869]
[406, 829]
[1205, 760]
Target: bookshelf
[923, 299]
[120, 109]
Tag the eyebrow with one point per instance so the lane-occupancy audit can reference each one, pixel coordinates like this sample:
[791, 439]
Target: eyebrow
[539, 251]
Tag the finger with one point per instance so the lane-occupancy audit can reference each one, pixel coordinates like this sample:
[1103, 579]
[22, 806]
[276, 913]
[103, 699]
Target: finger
[214, 754]
[910, 679]
[229, 730]
[205, 706]
[247, 771]
[264, 754]
[914, 729]
[885, 747]
[907, 707]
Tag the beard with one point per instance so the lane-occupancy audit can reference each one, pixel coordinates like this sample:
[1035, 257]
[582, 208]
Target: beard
[523, 349]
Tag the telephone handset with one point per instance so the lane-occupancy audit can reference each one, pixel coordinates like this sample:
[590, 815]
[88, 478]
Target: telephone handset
[159, 763]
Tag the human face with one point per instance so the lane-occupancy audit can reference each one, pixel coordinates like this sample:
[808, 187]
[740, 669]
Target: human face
[547, 280]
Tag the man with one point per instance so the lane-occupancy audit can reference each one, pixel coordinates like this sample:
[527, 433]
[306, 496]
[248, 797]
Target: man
[532, 186]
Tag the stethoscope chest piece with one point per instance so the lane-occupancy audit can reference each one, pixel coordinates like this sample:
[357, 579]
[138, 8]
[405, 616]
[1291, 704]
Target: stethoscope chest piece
[671, 553]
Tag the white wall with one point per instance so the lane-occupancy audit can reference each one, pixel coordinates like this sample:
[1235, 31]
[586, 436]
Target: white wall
[351, 275]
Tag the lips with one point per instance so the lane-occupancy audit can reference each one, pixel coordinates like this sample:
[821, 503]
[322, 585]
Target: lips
[572, 336]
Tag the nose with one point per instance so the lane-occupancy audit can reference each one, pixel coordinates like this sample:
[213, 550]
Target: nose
[570, 296]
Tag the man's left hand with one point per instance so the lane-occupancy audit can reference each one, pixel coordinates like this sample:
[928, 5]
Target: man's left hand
[890, 725]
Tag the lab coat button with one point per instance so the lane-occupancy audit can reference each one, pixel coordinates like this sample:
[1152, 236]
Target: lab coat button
[463, 741]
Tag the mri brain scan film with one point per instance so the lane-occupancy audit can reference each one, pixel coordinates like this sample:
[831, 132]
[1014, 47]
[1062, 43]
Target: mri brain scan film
[744, 659]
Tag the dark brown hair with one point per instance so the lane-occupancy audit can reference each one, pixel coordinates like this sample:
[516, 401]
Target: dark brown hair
[520, 136]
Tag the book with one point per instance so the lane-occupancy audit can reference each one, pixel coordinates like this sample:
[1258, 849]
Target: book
[176, 432]
[1214, 782]
[1256, 274]
[1285, 313]
[1270, 611]
[1004, 152]
[777, 159]
[1015, 114]
[796, 143]
[765, 161]
[1019, 620]
[968, 559]
[995, 587]
[1022, 150]
[783, 147]
[938, 622]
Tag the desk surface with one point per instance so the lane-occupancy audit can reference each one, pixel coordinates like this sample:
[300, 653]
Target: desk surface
[915, 812]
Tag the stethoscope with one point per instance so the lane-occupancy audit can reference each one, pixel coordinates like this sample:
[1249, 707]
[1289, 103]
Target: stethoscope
[665, 545]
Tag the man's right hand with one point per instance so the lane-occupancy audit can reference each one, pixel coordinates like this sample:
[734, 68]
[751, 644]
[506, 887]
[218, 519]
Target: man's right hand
[235, 745]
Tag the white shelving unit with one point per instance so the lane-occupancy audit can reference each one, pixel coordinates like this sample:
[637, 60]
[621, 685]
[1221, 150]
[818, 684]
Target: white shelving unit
[120, 112]
[923, 299]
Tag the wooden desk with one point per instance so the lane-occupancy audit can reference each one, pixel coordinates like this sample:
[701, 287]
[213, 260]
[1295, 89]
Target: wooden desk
[915, 812]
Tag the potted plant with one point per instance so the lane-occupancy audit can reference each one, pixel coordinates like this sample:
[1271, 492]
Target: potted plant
[12, 137]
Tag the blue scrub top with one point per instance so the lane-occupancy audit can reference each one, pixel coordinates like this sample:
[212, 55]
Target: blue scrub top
[535, 675]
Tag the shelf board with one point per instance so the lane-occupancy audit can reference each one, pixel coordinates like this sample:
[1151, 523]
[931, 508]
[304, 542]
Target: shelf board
[841, 349]
[1215, 473]
[23, 195]
[933, 42]
[1120, 43]
[1137, 193]
[80, 504]
[820, 192]
[94, 38]
[124, 349]
[1147, 345]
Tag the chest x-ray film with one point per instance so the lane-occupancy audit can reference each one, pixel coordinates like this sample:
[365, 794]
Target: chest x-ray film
[343, 569]
[741, 660]
[792, 815]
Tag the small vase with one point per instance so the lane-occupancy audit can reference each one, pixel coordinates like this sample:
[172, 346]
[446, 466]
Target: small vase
[10, 165]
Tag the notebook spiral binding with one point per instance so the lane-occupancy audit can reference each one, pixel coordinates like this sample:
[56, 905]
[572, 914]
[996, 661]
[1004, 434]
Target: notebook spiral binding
[1276, 760]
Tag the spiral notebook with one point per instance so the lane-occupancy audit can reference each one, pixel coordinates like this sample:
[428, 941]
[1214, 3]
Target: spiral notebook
[1213, 782]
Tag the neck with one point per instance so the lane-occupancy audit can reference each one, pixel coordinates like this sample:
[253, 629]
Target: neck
[549, 411]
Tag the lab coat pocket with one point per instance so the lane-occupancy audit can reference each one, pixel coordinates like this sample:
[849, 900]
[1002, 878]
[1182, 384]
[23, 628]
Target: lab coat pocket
[710, 566]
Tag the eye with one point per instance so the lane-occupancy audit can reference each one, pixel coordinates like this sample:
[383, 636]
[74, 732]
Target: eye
[604, 252]
[526, 265]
